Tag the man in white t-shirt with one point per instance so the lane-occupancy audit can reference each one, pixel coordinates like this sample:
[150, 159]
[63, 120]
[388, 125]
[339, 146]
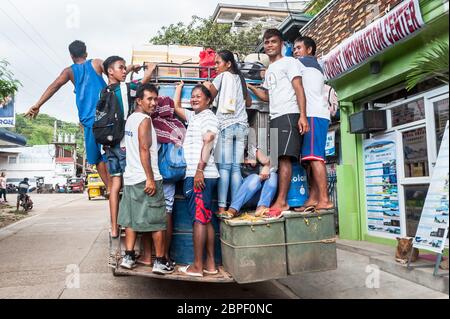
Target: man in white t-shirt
[143, 208]
[318, 113]
[287, 103]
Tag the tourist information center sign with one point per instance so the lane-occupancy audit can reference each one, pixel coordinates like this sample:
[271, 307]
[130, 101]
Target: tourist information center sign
[404, 20]
[433, 226]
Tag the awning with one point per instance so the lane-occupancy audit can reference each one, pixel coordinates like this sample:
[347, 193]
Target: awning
[8, 138]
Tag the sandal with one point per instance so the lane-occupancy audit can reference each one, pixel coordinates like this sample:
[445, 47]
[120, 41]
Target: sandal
[274, 213]
[262, 212]
[185, 271]
[306, 210]
[225, 215]
[215, 272]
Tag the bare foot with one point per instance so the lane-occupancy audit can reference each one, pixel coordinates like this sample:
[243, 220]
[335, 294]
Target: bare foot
[210, 265]
[194, 269]
[324, 206]
[115, 232]
[219, 212]
[282, 207]
[144, 261]
[260, 211]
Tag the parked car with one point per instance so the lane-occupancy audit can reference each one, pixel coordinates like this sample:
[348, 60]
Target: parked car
[75, 185]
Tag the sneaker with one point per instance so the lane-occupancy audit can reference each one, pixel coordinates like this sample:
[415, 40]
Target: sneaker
[128, 262]
[162, 267]
[171, 262]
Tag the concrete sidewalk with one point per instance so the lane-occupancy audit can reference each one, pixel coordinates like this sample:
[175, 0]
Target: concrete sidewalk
[62, 252]
[360, 275]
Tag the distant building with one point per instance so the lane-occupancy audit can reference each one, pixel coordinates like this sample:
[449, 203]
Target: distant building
[48, 161]
[243, 17]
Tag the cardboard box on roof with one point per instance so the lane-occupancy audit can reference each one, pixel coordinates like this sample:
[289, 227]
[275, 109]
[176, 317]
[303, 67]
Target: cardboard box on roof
[150, 53]
[184, 54]
[166, 54]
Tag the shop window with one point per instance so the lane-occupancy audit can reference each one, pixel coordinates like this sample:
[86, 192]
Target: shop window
[408, 113]
[414, 200]
[12, 160]
[415, 153]
[440, 117]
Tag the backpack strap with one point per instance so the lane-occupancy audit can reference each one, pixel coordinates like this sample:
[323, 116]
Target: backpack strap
[124, 94]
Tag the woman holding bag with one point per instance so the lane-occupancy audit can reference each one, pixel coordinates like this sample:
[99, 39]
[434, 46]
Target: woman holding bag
[230, 91]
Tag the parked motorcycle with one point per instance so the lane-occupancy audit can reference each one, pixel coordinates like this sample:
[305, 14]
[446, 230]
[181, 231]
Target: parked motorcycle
[24, 201]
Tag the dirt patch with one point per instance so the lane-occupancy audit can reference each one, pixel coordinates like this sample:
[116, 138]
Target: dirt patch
[9, 215]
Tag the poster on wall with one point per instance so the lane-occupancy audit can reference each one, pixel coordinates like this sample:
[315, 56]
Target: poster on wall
[7, 113]
[433, 225]
[380, 166]
[330, 148]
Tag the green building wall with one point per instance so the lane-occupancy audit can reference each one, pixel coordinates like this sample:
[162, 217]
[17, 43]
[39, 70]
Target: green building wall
[359, 84]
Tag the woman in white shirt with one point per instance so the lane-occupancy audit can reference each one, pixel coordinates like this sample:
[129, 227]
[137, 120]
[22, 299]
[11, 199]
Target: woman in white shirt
[201, 175]
[230, 90]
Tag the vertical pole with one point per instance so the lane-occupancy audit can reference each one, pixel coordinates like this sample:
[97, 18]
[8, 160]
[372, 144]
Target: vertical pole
[348, 176]
[438, 263]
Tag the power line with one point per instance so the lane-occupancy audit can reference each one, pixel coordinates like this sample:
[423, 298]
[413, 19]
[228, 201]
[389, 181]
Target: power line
[36, 31]
[29, 37]
[15, 69]
[26, 53]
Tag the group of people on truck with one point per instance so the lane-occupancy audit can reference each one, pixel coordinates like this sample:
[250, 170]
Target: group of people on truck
[220, 162]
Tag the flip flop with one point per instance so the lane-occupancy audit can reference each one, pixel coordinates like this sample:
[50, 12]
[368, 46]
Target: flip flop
[304, 209]
[274, 213]
[185, 271]
[309, 209]
[225, 215]
[262, 212]
[114, 237]
[215, 272]
[325, 209]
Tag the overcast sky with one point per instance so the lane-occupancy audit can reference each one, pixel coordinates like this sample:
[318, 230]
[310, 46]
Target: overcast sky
[34, 36]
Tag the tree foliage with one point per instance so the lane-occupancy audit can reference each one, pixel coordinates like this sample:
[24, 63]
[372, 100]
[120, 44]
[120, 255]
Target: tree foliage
[209, 34]
[8, 85]
[432, 63]
[315, 6]
[40, 130]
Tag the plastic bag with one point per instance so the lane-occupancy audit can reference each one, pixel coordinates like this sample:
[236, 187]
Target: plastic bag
[207, 59]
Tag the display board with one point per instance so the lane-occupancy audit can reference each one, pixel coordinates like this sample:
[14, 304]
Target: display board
[434, 222]
[380, 167]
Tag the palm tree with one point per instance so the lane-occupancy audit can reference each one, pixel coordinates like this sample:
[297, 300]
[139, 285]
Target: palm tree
[432, 63]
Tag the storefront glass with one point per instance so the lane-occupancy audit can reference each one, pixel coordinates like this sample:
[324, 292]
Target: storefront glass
[440, 117]
[414, 200]
[415, 153]
[407, 113]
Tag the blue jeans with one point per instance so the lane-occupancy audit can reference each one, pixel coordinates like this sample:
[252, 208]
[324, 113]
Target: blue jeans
[229, 155]
[253, 190]
[116, 160]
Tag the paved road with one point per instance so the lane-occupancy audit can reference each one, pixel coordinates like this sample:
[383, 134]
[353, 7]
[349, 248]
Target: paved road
[67, 232]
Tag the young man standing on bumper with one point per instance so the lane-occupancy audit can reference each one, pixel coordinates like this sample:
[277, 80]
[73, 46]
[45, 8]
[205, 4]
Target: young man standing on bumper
[313, 150]
[288, 123]
[116, 70]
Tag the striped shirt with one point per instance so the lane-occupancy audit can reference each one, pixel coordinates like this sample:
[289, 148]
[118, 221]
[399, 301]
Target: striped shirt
[198, 126]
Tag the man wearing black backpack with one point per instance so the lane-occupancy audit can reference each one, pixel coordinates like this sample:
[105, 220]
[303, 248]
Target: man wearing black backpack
[115, 105]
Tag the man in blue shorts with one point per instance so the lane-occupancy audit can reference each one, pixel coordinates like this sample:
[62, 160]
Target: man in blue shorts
[86, 76]
[318, 115]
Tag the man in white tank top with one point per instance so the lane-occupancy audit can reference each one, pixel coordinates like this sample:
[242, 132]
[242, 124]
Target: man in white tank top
[142, 208]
